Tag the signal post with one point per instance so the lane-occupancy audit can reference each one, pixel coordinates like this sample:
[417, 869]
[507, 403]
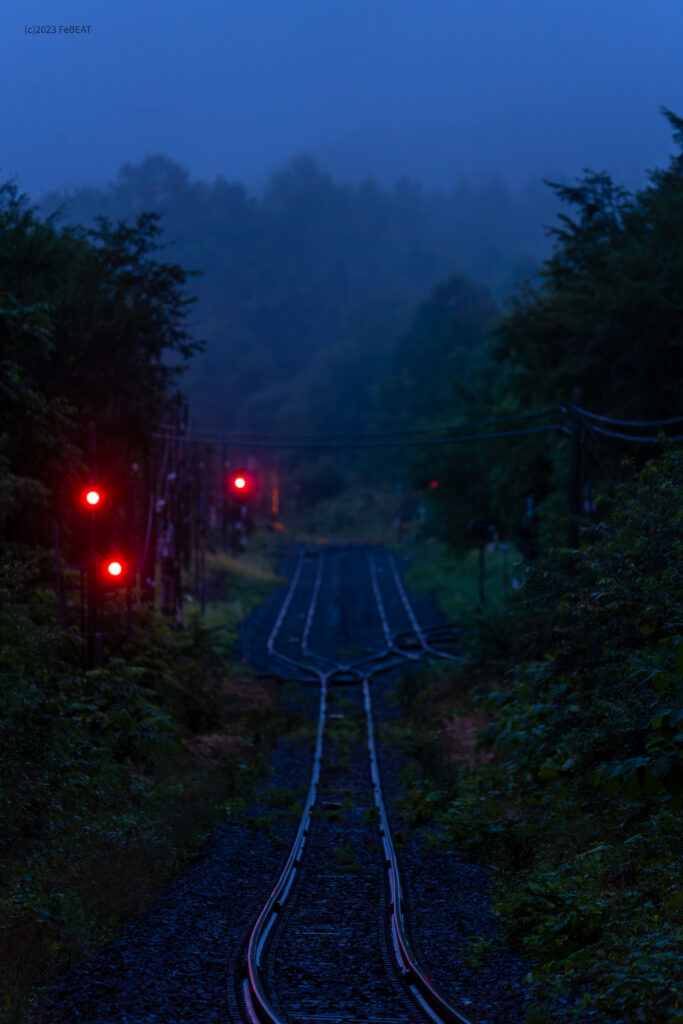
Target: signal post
[110, 570]
[92, 502]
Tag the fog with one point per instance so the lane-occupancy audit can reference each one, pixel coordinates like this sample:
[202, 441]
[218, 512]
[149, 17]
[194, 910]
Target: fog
[325, 165]
[434, 90]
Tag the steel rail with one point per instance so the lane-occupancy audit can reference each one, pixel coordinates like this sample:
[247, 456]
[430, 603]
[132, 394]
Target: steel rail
[256, 1000]
[270, 643]
[431, 633]
[388, 635]
[426, 646]
[311, 611]
[258, 1005]
[391, 654]
[417, 981]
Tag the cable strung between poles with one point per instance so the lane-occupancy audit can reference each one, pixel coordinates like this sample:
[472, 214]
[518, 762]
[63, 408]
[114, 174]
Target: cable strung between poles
[626, 423]
[370, 444]
[633, 437]
[380, 435]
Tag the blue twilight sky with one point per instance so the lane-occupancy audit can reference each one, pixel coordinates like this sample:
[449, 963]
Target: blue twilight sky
[432, 89]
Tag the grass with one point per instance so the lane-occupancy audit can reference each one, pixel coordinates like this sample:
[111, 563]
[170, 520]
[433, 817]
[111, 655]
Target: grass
[451, 578]
[112, 781]
[236, 585]
[347, 860]
[343, 734]
[360, 514]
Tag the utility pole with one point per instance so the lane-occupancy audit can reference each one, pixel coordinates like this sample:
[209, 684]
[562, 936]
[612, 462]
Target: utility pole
[133, 553]
[275, 497]
[481, 533]
[201, 539]
[223, 498]
[94, 637]
[575, 427]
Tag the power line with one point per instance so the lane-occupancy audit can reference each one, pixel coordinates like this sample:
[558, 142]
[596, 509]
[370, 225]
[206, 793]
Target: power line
[369, 442]
[425, 431]
[628, 423]
[401, 439]
[634, 437]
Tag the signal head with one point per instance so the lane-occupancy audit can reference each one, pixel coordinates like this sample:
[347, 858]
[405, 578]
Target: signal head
[241, 484]
[92, 497]
[114, 569]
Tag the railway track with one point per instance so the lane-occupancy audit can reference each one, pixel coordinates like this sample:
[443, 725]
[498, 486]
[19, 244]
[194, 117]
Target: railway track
[331, 944]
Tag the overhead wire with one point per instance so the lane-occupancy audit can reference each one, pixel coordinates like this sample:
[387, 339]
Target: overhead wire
[626, 423]
[426, 436]
[661, 439]
[369, 443]
[424, 431]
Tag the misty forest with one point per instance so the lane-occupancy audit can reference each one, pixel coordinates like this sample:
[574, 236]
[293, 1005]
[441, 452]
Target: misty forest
[499, 406]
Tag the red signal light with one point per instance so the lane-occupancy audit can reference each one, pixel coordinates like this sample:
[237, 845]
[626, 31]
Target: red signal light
[92, 497]
[433, 483]
[114, 570]
[241, 483]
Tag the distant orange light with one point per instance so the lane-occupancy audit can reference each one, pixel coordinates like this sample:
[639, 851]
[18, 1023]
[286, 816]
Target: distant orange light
[114, 568]
[240, 483]
[93, 497]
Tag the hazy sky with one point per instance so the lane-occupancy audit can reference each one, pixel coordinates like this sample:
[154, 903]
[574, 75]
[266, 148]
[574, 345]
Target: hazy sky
[429, 88]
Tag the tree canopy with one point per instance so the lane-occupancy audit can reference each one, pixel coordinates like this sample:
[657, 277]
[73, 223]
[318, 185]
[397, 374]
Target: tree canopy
[313, 269]
[92, 329]
[605, 313]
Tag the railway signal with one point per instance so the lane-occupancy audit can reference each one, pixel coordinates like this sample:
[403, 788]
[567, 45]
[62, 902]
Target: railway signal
[113, 568]
[107, 567]
[241, 484]
[425, 483]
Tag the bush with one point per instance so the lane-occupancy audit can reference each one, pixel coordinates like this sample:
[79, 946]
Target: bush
[581, 806]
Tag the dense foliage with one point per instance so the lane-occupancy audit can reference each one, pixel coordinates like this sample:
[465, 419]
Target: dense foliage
[100, 798]
[582, 681]
[582, 671]
[434, 378]
[89, 322]
[604, 315]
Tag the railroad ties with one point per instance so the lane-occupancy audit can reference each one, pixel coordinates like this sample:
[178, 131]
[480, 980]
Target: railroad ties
[331, 944]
